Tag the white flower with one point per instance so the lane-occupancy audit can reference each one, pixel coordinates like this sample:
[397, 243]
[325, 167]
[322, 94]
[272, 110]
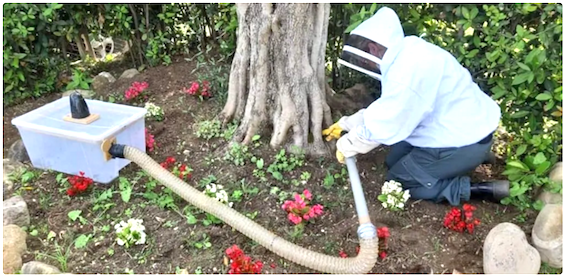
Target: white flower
[385, 205]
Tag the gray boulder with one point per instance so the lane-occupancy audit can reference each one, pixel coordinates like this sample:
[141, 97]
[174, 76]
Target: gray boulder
[102, 80]
[547, 235]
[14, 245]
[15, 211]
[507, 251]
[35, 267]
[18, 152]
[129, 73]
[88, 94]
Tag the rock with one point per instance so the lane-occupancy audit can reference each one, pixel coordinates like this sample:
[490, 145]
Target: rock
[506, 250]
[35, 267]
[547, 235]
[18, 152]
[15, 211]
[102, 80]
[556, 173]
[550, 198]
[85, 93]
[129, 73]
[14, 245]
[9, 167]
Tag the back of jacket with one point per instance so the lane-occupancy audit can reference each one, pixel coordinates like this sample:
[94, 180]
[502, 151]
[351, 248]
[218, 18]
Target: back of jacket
[428, 99]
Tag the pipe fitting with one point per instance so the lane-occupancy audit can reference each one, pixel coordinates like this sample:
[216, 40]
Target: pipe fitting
[117, 150]
[367, 231]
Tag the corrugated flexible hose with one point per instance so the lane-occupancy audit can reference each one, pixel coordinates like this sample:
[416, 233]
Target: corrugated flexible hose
[368, 239]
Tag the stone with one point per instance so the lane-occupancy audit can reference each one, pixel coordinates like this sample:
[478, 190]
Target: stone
[102, 80]
[507, 251]
[88, 94]
[547, 235]
[35, 267]
[129, 73]
[556, 173]
[9, 167]
[15, 211]
[14, 245]
[18, 152]
[550, 198]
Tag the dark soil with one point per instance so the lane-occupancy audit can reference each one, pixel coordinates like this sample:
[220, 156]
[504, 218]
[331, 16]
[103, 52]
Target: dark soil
[418, 244]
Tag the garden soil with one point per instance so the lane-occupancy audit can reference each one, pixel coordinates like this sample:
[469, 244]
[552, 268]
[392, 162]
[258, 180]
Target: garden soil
[419, 243]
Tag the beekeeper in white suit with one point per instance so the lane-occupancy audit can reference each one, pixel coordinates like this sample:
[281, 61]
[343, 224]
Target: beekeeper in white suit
[436, 119]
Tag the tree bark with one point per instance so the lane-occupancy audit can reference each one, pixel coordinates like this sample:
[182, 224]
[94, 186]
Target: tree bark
[80, 46]
[277, 77]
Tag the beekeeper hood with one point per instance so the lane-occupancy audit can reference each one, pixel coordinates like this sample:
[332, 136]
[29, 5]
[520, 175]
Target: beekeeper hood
[383, 28]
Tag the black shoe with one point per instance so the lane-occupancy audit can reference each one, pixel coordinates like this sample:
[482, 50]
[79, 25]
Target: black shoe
[493, 190]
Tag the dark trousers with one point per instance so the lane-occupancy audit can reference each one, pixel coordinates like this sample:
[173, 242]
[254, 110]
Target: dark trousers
[436, 174]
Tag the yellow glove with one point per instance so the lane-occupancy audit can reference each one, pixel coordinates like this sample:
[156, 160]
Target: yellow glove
[333, 132]
[340, 157]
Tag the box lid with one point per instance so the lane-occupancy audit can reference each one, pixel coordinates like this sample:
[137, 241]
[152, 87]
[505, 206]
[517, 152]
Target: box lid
[49, 119]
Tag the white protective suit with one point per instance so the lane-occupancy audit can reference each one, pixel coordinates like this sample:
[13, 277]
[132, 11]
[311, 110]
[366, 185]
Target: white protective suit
[428, 99]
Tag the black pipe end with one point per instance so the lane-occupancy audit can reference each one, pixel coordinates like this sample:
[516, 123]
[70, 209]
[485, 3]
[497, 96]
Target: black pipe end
[117, 150]
[79, 107]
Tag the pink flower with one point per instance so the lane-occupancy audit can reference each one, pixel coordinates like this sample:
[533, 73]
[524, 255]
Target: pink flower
[317, 209]
[294, 218]
[307, 194]
[299, 200]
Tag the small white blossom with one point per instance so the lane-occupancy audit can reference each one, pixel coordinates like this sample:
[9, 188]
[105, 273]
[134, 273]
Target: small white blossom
[393, 196]
[131, 232]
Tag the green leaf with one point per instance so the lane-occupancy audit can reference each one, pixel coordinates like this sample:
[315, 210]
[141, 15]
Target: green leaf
[74, 214]
[383, 198]
[521, 78]
[524, 66]
[82, 241]
[518, 164]
[255, 138]
[191, 219]
[538, 205]
[544, 96]
[144, 36]
[260, 163]
[539, 158]
[518, 189]
[474, 13]
[542, 168]
[521, 149]
[520, 114]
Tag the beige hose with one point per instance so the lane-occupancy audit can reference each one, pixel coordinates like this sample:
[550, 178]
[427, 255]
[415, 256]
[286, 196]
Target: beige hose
[362, 263]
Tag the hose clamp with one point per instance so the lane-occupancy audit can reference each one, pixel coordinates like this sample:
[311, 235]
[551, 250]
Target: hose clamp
[367, 231]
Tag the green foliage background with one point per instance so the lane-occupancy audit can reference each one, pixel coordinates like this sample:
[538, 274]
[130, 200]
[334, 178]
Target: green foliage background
[514, 52]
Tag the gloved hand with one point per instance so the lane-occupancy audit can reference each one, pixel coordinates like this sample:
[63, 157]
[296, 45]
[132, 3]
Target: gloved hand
[346, 123]
[351, 144]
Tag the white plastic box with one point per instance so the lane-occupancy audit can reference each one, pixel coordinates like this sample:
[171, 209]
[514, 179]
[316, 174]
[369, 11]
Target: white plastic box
[68, 147]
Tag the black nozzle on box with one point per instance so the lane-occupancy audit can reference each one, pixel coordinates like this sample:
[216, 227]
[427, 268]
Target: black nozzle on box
[79, 108]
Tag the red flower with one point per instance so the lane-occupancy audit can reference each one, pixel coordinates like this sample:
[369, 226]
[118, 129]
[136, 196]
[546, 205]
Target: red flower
[454, 219]
[240, 263]
[78, 183]
[382, 255]
[342, 254]
[150, 141]
[71, 192]
[383, 232]
[273, 265]
[193, 90]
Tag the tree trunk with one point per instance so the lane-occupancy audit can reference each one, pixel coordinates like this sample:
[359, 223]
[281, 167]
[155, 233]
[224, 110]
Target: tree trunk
[80, 46]
[277, 77]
